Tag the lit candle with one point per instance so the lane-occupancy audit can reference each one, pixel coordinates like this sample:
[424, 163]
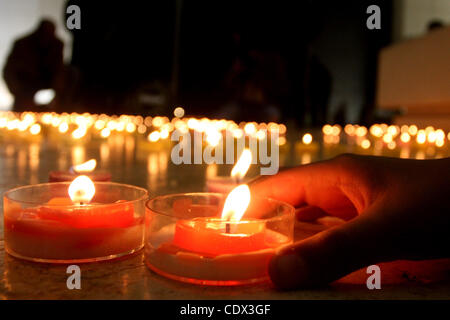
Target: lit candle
[307, 148]
[226, 184]
[187, 238]
[86, 168]
[94, 222]
[223, 235]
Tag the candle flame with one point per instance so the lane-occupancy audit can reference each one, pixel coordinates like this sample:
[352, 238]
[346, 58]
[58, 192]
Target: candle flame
[242, 165]
[236, 203]
[307, 138]
[87, 166]
[79, 132]
[81, 190]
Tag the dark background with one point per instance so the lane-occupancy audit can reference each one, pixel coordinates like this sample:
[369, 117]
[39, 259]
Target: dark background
[308, 61]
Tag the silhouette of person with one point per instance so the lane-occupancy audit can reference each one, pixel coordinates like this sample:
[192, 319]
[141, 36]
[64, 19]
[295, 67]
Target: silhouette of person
[34, 63]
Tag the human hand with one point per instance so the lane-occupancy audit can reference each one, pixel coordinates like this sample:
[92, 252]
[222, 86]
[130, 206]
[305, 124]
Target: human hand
[392, 208]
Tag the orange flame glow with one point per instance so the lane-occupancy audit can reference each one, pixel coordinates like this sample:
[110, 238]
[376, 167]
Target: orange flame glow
[236, 203]
[87, 166]
[81, 190]
[242, 165]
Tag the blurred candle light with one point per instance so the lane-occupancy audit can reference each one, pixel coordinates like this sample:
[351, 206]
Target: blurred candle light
[148, 121]
[63, 127]
[431, 136]
[349, 129]
[260, 134]
[361, 131]
[44, 96]
[327, 129]
[404, 128]
[213, 137]
[405, 137]
[365, 144]
[429, 129]
[142, 128]
[87, 166]
[178, 112]
[157, 122]
[412, 130]
[281, 141]
[336, 130]
[391, 145]
[393, 130]
[79, 132]
[164, 134]
[130, 127]
[238, 133]
[35, 129]
[105, 133]
[421, 137]
[440, 134]
[99, 124]
[250, 128]
[440, 143]
[154, 136]
[387, 138]
[22, 126]
[307, 138]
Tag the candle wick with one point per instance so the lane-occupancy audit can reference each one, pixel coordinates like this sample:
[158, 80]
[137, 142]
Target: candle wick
[227, 227]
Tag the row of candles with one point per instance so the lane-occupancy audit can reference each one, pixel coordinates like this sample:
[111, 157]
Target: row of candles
[405, 141]
[81, 127]
[388, 134]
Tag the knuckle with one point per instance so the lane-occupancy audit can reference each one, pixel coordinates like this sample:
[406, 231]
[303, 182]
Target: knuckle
[347, 161]
[359, 170]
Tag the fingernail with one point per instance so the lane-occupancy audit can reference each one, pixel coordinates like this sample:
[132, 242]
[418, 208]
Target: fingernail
[288, 271]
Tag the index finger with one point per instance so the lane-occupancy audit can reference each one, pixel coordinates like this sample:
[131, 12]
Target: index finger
[327, 185]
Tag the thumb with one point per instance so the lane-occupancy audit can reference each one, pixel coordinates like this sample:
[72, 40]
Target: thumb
[328, 256]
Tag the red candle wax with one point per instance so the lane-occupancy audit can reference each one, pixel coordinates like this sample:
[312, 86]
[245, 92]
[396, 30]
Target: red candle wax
[212, 236]
[58, 230]
[119, 215]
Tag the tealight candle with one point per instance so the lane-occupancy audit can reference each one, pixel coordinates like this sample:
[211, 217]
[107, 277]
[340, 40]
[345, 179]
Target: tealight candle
[199, 238]
[226, 184]
[87, 168]
[76, 222]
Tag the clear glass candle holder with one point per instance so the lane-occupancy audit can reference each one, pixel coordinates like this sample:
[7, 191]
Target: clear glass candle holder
[186, 240]
[42, 225]
[63, 176]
